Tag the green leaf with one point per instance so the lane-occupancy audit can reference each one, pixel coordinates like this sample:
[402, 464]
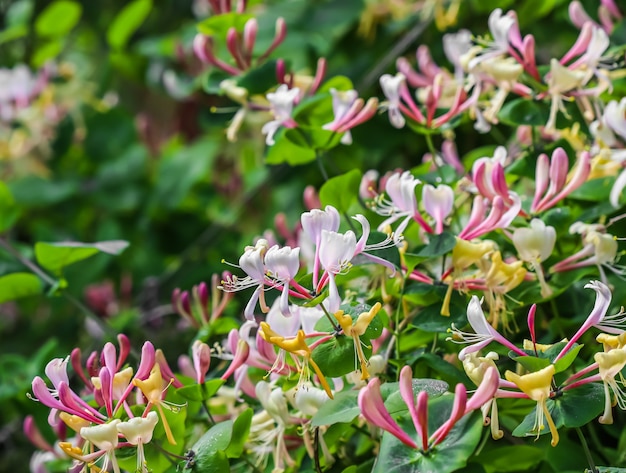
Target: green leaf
[531, 363]
[499, 459]
[127, 21]
[47, 51]
[572, 408]
[16, 285]
[200, 392]
[438, 245]
[241, 430]
[343, 408]
[179, 170]
[218, 25]
[544, 358]
[450, 455]
[56, 256]
[286, 151]
[223, 440]
[58, 18]
[336, 357]
[524, 112]
[260, 79]
[9, 211]
[607, 469]
[341, 191]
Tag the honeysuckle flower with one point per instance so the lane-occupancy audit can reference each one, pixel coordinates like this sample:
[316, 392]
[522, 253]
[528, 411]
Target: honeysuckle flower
[374, 410]
[252, 262]
[483, 334]
[464, 254]
[610, 365]
[201, 356]
[534, 245]
[282, 102]
[552, 182]
[438, 202]
[313, 222]
[282, 265]
[138, 431]
[336, 252]
[356, 329]
[153, 388]
[477, 367]
[267, 429]
[391, 88]
[597, 318]
[498, 278]
[349, 111]
[537, 387]
[599, 249]
[105, 437]
[611, 342]
[500, 215]
[400, 187]
[296, 346]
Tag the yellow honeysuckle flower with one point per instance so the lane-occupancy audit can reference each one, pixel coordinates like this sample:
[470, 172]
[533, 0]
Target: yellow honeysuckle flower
[74, 422]
[355, 330]
[537, 387]
[153, 388]
[296, 346]
[610, 364]
[464, 254]
[611, 342]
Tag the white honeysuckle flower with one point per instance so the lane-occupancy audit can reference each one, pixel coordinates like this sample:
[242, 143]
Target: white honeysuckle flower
[615, 117]
[391, 88]
[281, 105]
[139, 429]
[336, 252]
[534, 244]
[455, 46]
[282, 264]
[438, 202]
[308, 399]
[342, 101]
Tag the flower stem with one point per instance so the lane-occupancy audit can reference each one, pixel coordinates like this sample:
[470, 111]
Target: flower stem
[583, 441]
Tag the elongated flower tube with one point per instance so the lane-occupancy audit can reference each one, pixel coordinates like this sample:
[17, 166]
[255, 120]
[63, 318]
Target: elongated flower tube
[597, 317]
[537, 387]
[373, 409]
[484, 332]
[201, 356]
[551, 178]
